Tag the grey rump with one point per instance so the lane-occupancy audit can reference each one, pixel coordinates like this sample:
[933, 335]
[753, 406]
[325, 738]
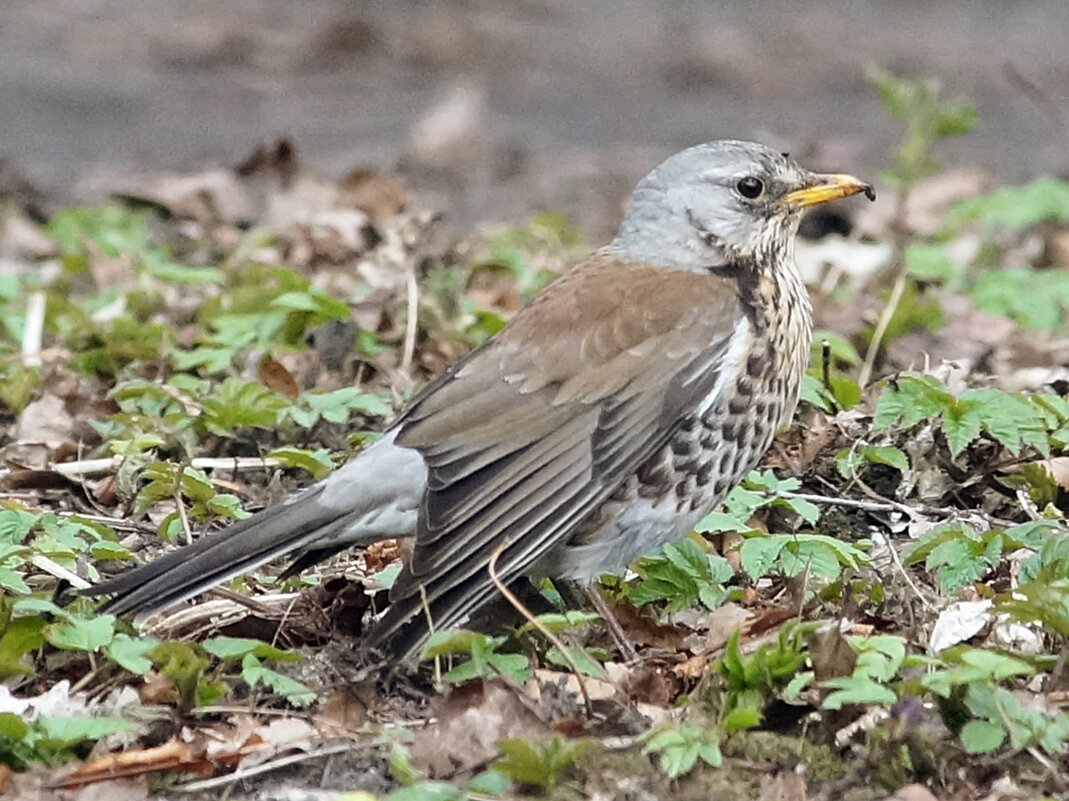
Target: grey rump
[613, 412]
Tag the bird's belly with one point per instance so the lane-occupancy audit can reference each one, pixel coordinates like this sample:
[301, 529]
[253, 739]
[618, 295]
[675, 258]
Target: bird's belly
[674, 490]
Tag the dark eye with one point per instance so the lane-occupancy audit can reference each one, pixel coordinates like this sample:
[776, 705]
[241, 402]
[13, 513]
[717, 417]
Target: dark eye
[750, 187]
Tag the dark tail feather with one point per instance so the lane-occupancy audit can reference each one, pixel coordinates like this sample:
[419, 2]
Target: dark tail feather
[247, 544]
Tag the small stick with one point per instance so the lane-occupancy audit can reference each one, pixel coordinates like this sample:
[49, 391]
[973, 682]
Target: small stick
[411, 323]
[534, 621]
[825, 374]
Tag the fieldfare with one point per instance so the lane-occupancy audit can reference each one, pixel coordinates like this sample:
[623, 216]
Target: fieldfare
[611, 414]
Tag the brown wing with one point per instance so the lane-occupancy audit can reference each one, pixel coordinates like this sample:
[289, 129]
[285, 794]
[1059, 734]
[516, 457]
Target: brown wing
[533, 430]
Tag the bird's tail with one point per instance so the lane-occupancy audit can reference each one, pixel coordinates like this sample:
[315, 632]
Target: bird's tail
[373, 497]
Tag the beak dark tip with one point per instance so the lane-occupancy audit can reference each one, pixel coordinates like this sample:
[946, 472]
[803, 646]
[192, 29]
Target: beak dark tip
[869, 191]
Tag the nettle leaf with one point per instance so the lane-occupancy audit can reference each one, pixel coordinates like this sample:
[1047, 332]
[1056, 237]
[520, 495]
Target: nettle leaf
[683, 574]
[539, 763]
[256, 674]
[78, 634]
[758, 554]
[131, 653]
[21, 636]
[238, 647]
[933, 263]
[847, 460]
[316, 462]
[15, 524]
[67, 731]
[241, 404]
[910, 399]
[961, 425]
[1015, 421]
[982, 736]
[856, 689]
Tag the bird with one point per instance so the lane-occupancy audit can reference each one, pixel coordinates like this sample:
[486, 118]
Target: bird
[611, 414]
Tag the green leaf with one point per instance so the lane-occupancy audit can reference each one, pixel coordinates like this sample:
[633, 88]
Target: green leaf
[982, 736]
[758, 554]
[131, 653]
[72, 730]
[21, 636]
[77, 634]
[536, 763]
[316, 462]
[13, 726]
[255, 674]
[428, 791]
[932, 263]
[856, 690]
[741, 718]
[238, 647]
[961, 424]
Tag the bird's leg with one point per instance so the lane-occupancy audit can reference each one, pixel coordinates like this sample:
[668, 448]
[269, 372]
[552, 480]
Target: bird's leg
[619, 636]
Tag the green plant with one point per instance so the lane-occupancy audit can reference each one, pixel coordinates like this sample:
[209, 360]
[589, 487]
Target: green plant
[925, 118]
[538, 763]
[1015, 421]
[685, 573]
[879, 659]
[679, 746]
[750, 681]
[485, 661]
[959, 555]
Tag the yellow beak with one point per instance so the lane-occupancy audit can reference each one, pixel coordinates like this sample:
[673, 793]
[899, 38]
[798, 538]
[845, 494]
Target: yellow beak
[824, 188]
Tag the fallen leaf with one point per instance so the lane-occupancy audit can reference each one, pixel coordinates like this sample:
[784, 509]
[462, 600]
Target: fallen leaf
[277, 378]
[959, 622]
[470, 720]
[45, 420]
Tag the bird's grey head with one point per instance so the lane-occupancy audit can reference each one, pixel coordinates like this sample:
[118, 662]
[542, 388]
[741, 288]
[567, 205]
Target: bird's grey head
[720, 202]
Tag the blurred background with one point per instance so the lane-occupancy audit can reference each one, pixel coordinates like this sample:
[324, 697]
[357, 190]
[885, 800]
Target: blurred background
[496, 109]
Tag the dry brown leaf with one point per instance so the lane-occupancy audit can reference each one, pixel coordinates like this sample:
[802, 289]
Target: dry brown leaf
[381, 554]
[45, 420]
[277, 378]
[470, 721]
[652, 684]
[379, 196]
[831, 654]
[157, 689]
[172, 755]
[343, 710]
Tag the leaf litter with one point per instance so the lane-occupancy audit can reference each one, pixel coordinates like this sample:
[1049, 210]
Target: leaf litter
[938, 454]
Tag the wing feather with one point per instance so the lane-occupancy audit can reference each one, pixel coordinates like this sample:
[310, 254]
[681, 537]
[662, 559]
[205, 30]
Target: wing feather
[534, 431]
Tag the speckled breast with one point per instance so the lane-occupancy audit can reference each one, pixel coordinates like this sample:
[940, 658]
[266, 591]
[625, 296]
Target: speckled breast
[709, 455]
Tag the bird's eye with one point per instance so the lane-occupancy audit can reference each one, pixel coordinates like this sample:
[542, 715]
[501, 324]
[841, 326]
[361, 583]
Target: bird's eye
[750, 187]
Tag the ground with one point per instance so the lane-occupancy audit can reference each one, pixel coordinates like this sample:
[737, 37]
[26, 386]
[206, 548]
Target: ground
[880, 612]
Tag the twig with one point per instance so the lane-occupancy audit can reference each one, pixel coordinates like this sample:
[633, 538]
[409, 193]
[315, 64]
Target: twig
[825, 375]
[32, 329]
[885, 506]
[430, 630]
[411, 323]
[266, 767]
[42, 562]
[881, 327]
[890, 546]
[534, 621]
[98, 467]
[181, 507]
